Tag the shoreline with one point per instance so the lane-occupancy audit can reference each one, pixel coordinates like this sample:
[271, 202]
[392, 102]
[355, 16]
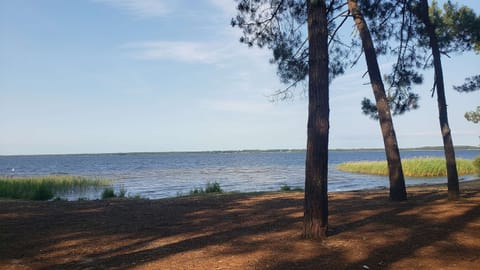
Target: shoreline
[468, 184]
[245, 231]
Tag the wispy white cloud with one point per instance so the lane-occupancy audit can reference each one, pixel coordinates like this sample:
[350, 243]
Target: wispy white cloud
[183, 51]
[220, 52]
[139, 8]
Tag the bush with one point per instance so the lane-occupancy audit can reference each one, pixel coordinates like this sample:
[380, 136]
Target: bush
[285, 187]
[209, 188]
[213, 188]
[108, 193]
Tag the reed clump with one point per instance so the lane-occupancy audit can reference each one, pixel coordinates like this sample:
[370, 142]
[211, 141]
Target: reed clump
[109, 193]
[209, 188]
[476, 164]
[287, 188]
[46, 187]
[414, 167]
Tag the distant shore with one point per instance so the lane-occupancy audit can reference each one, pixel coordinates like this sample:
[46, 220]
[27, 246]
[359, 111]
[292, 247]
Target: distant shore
[422, 148]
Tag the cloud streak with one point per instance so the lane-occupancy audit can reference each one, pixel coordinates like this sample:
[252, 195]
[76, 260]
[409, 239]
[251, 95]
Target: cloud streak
[183, 51]
[219, 53]
[139, 8]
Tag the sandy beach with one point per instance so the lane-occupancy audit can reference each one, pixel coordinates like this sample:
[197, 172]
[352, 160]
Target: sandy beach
[244, 231]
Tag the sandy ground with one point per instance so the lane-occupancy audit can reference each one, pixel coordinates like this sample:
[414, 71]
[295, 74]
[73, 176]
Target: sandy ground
[244, 231]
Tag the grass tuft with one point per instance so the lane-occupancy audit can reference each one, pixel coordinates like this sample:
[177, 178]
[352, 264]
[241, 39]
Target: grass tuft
[414, 167]
[45, 187]
[108, 193]
[287, 188]
[209, 188]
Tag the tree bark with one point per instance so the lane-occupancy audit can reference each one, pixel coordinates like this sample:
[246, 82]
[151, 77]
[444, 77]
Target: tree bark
[316, 167]
[452, 174]
[397, 179]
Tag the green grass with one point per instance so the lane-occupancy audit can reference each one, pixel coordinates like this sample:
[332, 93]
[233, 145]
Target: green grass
[45, 187]
[414, 167]
[476, 164]
[109, 192]
[209, 188]
[287, 188]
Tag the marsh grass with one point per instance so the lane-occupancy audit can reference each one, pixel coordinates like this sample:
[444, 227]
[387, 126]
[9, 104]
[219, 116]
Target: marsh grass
[210, 187]
[414, 167]
[109, 193]
[46, 187]
[476, 164]
[287, 188]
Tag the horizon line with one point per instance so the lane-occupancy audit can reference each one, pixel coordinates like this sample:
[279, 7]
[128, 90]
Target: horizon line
[439, 148]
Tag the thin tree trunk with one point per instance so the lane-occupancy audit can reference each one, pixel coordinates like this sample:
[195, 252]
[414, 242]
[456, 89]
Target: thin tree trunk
[452, 174]
[397, 180]
[316, 167]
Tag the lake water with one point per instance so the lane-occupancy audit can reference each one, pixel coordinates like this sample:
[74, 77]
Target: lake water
[160, 175]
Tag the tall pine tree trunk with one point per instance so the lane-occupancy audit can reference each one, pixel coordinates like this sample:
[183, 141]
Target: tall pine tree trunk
[316, 167]
[397, 180]
[452, 174]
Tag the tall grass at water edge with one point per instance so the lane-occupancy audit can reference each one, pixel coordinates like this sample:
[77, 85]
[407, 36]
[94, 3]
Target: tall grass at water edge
[209, 188]
[414, 167]
[46, 187]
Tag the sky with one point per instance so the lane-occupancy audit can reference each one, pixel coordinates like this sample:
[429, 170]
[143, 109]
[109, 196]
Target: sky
[107, 76]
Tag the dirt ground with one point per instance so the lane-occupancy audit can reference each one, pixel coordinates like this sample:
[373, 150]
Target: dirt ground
[244, 231]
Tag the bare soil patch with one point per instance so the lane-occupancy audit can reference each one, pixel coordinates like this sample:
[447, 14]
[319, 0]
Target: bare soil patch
[244, 231]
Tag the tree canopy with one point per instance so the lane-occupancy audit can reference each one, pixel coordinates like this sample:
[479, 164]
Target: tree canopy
[398, 30]
[280, 26]
[473, 116]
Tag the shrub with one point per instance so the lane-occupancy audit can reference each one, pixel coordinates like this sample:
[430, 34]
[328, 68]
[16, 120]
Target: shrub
[108, 193]
[285, 187]
[209, 188]
[213, 188]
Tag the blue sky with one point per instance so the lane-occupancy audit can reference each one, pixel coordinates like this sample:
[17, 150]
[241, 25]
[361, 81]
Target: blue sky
[94, 76]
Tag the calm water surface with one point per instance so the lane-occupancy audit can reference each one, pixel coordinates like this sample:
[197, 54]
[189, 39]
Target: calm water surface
[160, 175]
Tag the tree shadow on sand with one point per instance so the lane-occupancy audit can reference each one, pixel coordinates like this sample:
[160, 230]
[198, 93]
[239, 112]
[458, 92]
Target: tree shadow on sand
[240, 231]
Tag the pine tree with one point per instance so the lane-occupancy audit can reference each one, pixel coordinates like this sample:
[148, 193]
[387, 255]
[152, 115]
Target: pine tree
[421, 34]
[280, 25]
[397, 179]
